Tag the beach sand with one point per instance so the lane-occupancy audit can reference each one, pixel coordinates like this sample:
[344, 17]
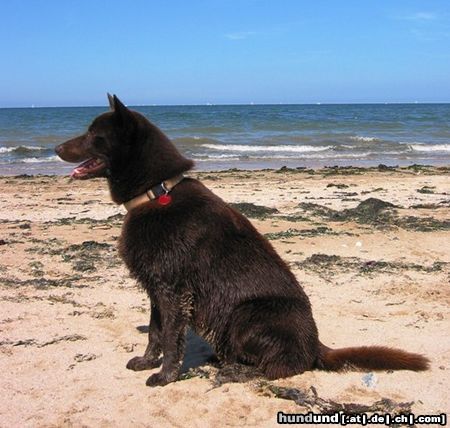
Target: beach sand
[71, 317]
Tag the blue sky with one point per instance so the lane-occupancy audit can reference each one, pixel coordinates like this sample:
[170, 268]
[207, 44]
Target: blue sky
[70, 52]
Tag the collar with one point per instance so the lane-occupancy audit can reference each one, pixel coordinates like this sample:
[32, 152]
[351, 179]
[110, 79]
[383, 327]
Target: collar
[160, 192]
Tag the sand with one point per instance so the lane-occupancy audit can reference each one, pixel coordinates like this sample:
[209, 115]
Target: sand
[71, 317]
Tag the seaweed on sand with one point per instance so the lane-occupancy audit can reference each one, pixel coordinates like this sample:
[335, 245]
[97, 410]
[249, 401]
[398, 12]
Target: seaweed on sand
[311, 400]
[324, 262]
[85, 257]
[254, 211]
[378, 213]
[305, 233]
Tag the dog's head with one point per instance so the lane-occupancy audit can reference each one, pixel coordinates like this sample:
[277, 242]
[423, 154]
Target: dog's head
[125, 147]
[105, 145]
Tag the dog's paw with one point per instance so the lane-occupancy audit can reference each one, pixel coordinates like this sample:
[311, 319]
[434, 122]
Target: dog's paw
[142, 363]
[159, 379]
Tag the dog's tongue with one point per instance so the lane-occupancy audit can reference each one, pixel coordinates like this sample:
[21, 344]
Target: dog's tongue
[88, 168]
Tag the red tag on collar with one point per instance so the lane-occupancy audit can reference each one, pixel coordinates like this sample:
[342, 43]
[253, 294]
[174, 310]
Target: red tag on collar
[165, 199]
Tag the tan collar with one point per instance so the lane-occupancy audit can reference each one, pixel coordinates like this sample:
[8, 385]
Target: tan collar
[154, 193]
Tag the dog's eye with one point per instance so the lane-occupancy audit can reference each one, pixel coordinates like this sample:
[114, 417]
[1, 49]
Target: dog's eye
[92, 137]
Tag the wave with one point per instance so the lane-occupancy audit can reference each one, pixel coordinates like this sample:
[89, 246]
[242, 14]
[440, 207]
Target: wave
[292, 138]
[205, 158]
[380, 147]
[420, 147]
[222, 156]
[363, 139]
[40, 160]
[195, 140]
[22, 149]
[249, 148]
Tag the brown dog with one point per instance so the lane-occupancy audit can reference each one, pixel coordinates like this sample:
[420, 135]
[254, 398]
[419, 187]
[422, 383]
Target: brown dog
[203, 264]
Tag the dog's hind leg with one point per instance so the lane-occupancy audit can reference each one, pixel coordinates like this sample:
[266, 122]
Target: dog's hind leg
[175, 316]
[151, 358]
[278, 336]
[275, 352]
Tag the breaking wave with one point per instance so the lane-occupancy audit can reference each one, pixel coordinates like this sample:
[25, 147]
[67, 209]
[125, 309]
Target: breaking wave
[40, 160]
[253, 149]
[419, 147]
[22, 150]
[364, 139]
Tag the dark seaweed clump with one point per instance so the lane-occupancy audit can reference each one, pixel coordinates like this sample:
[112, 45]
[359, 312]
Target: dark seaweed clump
[113, 220]
[254, 211]
[367, 211]
[87, 256]
[378, 213]
[324, 262]
[338, 185]
[45, 283]
[312, 401]
[427, 190]
[304, 233]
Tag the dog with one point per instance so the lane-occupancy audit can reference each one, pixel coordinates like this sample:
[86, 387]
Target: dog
[203, 264]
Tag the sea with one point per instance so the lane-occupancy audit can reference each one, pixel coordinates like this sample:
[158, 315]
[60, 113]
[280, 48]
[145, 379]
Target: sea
[219, 137]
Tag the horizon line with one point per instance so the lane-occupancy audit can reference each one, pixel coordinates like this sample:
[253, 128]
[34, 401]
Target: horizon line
[235, 104]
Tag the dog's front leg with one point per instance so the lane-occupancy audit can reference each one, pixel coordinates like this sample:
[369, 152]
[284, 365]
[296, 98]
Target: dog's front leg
[151, 358]
[174, 322]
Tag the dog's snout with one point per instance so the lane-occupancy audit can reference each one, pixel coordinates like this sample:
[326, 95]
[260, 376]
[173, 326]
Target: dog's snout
[74, 150]
[64, 152]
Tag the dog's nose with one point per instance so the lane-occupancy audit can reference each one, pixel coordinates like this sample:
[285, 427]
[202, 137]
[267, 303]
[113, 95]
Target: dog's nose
[58, 149]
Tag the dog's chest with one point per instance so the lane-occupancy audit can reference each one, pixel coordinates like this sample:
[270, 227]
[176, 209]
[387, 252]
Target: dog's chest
[148, 250]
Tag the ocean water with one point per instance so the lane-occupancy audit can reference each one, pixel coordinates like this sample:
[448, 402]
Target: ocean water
[247, 136]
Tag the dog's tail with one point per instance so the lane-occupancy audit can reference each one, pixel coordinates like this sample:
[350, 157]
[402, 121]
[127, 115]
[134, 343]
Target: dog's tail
[370, 358]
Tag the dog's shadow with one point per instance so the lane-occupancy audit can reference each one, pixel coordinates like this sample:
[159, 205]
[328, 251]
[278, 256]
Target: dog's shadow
[198, 352]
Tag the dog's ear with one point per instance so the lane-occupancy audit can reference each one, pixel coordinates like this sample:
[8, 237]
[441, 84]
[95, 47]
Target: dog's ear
[121, 112]
[111, 101]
